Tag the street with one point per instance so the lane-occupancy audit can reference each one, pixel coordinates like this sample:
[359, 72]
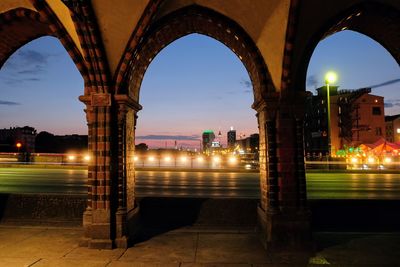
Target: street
[203, 184]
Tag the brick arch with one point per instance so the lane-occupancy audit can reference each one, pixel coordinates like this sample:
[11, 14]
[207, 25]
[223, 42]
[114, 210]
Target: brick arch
[20, 26]
[375, 20]
[196, 19]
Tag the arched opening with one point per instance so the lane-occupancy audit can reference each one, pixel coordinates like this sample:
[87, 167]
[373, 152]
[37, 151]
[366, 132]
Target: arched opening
[40, 85]
[169, 29]
[360, 48]
[205, 89]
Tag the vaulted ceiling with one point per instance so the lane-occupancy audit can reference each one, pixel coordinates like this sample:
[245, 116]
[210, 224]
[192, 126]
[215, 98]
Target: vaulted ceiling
[285, 31]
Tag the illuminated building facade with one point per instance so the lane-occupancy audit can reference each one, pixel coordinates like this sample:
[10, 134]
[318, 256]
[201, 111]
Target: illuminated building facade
[356, 117]
[249, 144]
[392, 126]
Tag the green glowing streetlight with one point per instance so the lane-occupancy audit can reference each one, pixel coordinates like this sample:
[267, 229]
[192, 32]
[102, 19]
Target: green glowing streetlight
[330, 78]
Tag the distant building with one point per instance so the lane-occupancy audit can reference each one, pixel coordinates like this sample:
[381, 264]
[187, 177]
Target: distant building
[249, 144]
[231, 136]
[356, 117]
[23, 135]
[392, 124]
[49, 143]
[207, 138]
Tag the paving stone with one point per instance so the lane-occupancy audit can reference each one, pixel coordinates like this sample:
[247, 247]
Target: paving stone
[9, 235]
[38, 246]
[167, 248]
[17, 262]
[365, 249]
[230, 248]
[50, 243]
[83, 253]
[141, 264]
[70, 263]
[214, 265]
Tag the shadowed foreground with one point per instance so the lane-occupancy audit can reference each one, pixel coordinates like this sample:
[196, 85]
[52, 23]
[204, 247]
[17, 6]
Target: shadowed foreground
[41, 246]
[196, 232]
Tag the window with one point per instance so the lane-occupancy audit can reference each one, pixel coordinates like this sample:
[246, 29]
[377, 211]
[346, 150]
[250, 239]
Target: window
[376, 110]
[378, 131]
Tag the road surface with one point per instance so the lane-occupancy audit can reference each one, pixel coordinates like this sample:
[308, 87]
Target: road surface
[203, 184]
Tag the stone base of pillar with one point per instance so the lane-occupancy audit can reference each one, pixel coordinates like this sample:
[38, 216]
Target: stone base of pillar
[101, 244]
[122, 242]
[121, 236]
[288, 231]
[86, 223]
[98, 234]
[133, 222]
[97, 229]
[127, 225]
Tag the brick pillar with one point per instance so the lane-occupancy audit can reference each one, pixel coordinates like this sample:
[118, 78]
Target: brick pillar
[87, 214]
[284, 220]
[300, 168]
[127, 210]
[266, 114]
[98, 224]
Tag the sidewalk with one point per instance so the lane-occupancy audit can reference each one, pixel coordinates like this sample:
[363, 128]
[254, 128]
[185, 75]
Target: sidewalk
[43, 246]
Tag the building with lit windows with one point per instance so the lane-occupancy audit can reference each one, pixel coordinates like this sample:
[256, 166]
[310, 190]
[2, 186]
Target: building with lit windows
[208, 138]
[231, 138]
[356, 117]
[392, 124]
[22, 135]
[249, 144]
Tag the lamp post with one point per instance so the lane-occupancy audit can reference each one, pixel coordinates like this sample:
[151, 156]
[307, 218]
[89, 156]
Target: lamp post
[18, 145]
[330, 77]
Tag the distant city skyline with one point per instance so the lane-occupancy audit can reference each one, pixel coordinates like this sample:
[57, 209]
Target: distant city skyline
[194, 84]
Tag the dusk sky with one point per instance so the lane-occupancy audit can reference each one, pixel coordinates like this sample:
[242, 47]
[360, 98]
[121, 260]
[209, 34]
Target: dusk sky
[194, 84]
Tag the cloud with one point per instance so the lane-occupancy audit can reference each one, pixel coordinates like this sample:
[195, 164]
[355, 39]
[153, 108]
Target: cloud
[169, 137]
[248, 85]
[32, 56]
[312, 81]
[34, 70]
[9, 103]
[390, 103]
[19, 80]
[26, 65]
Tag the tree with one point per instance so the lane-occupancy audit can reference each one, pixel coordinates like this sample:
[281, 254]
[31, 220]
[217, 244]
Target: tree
[141, 147]
[45, 143]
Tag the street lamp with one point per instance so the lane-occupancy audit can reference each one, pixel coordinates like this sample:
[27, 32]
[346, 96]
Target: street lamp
[18, 145]
[330, 77]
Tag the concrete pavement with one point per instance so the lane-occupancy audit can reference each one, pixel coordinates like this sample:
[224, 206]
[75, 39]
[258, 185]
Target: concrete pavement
[57, 246]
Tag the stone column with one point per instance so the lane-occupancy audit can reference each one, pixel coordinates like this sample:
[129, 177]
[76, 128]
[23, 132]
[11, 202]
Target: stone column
[127, 210]
[283, 217]
[87, 214]
[97, 219]
[266, 115]
[300, 162]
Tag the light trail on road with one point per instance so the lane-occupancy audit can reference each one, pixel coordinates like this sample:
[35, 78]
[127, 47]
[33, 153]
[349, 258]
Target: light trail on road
[161, 183]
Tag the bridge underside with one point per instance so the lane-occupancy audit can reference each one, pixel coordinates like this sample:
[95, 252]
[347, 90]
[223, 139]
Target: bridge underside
[112, 44]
